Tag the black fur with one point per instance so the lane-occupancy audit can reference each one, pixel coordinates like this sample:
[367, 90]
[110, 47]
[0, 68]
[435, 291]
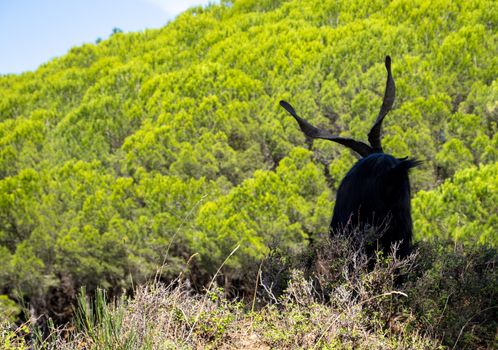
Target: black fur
[374, 196]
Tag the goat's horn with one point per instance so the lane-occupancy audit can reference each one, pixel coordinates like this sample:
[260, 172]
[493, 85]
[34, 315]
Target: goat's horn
[311, 131]
[387, 104]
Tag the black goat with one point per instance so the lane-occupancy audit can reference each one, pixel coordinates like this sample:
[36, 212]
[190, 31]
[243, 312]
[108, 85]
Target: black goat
[374, 196]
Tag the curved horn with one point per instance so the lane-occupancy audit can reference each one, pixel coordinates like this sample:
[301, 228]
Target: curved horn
[309, 130]
[387, 104]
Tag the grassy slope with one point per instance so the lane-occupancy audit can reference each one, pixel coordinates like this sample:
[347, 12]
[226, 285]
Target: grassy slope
[447, 300]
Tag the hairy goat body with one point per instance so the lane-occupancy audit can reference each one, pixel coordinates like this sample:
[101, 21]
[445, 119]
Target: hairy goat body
[374, 196]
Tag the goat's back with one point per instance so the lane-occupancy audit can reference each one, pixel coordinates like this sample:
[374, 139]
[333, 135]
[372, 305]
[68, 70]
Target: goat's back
[374, 197]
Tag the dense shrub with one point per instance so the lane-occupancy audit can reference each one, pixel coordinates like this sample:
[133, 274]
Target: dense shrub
[442, 296]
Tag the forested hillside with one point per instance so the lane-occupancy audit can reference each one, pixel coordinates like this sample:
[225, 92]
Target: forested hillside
[121, 160]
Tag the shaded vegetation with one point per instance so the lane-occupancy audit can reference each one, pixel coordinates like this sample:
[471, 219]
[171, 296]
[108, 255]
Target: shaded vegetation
[447, 300]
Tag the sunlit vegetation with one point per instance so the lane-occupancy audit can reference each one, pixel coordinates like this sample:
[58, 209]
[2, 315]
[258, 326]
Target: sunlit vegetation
[122, 161]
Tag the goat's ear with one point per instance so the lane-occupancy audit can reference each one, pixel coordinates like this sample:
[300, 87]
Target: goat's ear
[404, 165]
[399, 173]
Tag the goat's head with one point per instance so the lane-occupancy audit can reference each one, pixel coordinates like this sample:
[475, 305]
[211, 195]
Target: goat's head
[374, 196]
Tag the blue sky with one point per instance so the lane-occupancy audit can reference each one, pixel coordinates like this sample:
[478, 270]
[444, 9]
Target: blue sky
[34, 31]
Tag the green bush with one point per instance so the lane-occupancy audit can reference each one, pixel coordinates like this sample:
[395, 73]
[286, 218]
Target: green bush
[443, 296]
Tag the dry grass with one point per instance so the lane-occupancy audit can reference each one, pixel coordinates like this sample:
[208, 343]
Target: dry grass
[338, 299]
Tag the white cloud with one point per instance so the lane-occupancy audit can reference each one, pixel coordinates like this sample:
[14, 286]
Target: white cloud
[172, 7]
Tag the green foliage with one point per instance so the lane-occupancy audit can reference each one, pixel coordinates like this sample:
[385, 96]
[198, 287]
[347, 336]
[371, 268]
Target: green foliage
[8, 310]
[95, 317]
[274, 208]
[443, 297]
[460, 208]
[14, 338]
[120, 160]
[455, 289]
